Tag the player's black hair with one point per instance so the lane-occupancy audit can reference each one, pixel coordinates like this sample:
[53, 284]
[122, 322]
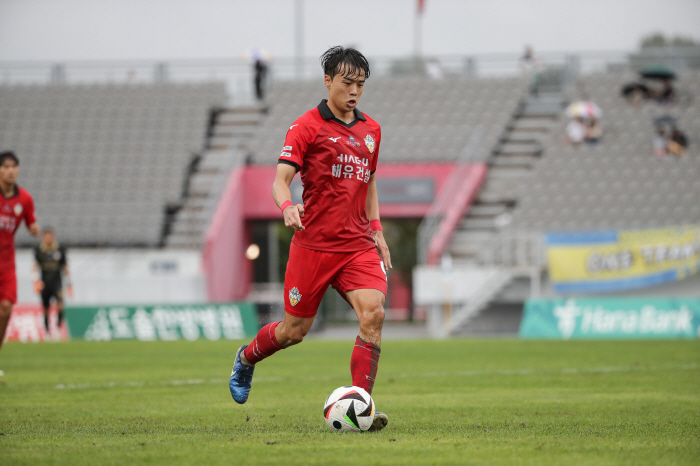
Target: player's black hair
[348, 61]
[8, 155]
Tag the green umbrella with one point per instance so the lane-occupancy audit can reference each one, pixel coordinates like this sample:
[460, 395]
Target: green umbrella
[657, 72]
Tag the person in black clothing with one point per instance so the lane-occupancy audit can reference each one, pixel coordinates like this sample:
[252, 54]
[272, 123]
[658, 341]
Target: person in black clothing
[260, 68]
[50, 269]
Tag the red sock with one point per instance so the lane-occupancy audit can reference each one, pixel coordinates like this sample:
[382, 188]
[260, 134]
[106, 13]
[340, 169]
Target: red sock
[263, 345]
[363, 364]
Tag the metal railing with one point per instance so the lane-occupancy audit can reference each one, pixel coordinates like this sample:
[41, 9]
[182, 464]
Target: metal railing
[514, 248]
[238, 73]
[430, 224]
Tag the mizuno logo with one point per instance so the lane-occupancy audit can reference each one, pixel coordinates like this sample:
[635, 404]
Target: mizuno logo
[335, 139]
[293, 126]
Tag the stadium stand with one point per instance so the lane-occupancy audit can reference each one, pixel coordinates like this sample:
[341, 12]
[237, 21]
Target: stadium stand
[617, 183]
[422, 120]
[104, 161]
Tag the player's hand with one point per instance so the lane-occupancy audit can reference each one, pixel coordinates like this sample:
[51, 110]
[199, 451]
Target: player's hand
[383, 248]
[69, 290]
[292, 217]
[38, 286]
[34, 229]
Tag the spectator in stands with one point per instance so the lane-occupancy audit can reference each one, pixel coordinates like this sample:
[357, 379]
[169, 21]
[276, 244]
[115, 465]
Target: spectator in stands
[575, 131]
[528, 62]
[593, 131]
[666, 94]
[659, 143]
[260, 69]
[677, 143]
[635, 93]
[434, 69]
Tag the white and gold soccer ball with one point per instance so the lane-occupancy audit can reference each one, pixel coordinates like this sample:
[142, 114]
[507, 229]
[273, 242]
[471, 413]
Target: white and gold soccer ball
[349, 409]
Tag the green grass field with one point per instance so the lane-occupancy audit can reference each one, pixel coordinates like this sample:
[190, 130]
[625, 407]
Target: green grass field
[450, 402]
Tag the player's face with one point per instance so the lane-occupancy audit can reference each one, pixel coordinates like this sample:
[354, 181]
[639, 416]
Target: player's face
[345, 90]
[48, 237]
[9, 171]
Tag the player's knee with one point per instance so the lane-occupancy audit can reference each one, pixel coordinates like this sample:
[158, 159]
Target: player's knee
[295, 336]
[5, 309]
[374, 315]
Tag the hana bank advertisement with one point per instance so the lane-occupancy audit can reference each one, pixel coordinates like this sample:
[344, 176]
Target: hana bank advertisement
[606, 261]
[611, 318]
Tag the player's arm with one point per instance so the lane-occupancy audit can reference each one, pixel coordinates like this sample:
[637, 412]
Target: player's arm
[282, 194]
[69, 283]
[36, 277]
[373, 214]
[30, 219]
[34, 229]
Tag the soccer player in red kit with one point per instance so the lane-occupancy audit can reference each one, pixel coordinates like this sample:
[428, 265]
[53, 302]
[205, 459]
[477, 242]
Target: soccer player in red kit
[337, 229]
[16, 205]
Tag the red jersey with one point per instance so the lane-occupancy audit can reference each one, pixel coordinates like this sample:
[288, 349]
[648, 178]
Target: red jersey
[18, 207]
[336, 160]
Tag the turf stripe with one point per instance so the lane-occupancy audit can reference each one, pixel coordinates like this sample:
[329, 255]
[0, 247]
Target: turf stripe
[471, 373]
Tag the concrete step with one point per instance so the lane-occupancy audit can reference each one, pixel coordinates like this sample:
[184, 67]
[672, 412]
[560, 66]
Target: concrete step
[541, 107]
[522, 138]
[507, 148]
[531, 125]
[478, 223]
[513, 161]
[183, 241]
[498, 172]
[487, 210]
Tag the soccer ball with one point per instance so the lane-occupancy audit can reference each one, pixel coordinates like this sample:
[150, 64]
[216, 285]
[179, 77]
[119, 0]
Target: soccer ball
[349, 409]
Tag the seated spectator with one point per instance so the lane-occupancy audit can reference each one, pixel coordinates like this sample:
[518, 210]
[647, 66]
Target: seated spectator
[635, 93]
[527, 61]
[575, 131]
[667, 94]
[434, 69]
[677, 143]
[659, 143]
[593, 132]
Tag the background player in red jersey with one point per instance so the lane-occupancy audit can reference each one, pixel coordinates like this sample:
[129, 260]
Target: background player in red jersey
[337, 229]
[16, 205]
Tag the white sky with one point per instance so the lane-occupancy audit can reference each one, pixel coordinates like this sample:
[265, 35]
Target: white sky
[171, 29]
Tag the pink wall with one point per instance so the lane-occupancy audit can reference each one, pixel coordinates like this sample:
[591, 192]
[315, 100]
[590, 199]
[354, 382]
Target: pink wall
[228, 272]
[473, 177]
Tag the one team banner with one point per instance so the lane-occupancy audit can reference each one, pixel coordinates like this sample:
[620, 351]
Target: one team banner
[165, 322]
[603, 261]
[611, 318]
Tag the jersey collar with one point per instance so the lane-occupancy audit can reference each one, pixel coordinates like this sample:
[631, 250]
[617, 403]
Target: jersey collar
[327, 114]
[16, 192]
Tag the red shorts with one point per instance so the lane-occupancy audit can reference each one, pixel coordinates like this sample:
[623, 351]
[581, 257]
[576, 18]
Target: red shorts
[310, 272]
[8, 286]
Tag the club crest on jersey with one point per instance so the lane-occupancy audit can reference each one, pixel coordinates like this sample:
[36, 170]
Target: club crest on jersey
[18, 209]
[369, 142]
[294, 296]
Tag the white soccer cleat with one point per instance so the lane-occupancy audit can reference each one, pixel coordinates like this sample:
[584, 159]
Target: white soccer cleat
[380, 421]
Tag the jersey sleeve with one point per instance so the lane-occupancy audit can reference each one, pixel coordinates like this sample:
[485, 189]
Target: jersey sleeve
[29, 215]
[37, 256]
[296, 143]
[378, 144]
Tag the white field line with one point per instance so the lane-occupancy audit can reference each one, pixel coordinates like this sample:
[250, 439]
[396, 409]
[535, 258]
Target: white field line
[471, 373]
